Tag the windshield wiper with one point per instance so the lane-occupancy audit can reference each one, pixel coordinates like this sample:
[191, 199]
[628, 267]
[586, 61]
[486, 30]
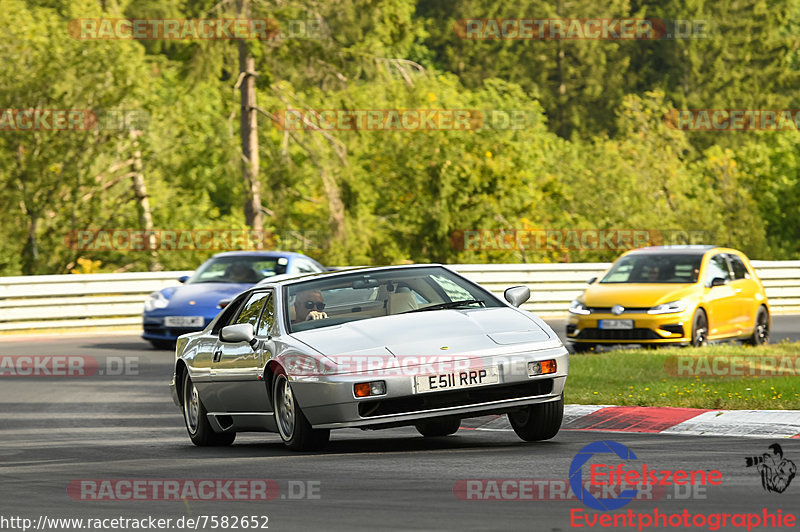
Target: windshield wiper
[449, 304]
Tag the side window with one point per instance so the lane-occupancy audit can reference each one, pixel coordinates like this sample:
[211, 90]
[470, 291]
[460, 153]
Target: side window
[252, 309]
[739, 269]
[227, 315]
[267, 317]
[717, 267]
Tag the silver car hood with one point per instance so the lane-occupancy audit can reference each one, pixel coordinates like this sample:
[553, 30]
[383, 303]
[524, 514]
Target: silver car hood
[448, 333]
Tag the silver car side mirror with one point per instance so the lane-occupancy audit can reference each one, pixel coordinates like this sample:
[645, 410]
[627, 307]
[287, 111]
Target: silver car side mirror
[517, 295]
[241, 332]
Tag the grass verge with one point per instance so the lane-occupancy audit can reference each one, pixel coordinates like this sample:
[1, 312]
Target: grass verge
[722, 376]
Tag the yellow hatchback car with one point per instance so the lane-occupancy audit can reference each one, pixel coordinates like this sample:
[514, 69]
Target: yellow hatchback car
[686, 295]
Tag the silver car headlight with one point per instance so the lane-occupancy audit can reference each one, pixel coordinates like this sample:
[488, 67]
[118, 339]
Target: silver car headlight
[576, 307]
[669, 308]
[155, 301]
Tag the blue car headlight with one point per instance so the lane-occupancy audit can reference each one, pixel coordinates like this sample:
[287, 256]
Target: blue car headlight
[668, 308]
[155, 301]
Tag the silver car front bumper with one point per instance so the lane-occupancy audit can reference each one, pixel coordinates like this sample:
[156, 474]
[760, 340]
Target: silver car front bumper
[329, 402]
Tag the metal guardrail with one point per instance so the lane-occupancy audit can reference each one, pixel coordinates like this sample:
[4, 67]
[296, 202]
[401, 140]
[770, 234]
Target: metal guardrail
[86, 300]
[117, 300]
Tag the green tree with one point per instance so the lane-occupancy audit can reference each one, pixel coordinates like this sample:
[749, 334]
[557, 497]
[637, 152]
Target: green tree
[60, 179]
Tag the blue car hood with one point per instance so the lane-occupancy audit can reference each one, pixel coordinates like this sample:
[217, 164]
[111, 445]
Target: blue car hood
[206, 296]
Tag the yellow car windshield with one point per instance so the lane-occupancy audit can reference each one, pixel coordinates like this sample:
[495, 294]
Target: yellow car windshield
[655, 268]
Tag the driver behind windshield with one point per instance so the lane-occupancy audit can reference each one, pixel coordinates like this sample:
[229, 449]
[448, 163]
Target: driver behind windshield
[309, 305]
[239, 273]
[652, 274]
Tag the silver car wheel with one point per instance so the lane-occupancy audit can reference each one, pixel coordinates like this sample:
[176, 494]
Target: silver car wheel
[191, 405]
[285, 407]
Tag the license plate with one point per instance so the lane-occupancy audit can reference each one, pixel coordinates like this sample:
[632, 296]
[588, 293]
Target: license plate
[616, 324]
[466, 378]
[184, 321]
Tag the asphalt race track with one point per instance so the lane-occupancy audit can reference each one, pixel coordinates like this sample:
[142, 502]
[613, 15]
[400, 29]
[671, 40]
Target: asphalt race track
[117, 426]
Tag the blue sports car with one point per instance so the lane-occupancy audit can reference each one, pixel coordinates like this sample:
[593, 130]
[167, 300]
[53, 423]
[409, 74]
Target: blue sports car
[178, 310]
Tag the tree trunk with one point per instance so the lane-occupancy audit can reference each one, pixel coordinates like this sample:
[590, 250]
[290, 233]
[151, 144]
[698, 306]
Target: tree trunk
[140, 191]
[336, 216]
[30, 252]
[561, 100]
[249, 132]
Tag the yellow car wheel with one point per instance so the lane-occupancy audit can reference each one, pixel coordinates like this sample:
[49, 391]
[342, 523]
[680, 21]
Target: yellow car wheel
[761, 329]
[699, 328]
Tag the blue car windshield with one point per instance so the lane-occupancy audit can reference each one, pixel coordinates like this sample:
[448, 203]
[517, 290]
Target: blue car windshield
[654, 268]
[248, 269]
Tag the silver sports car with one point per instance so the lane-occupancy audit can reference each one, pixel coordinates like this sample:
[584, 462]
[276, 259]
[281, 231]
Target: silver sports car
[370, 348]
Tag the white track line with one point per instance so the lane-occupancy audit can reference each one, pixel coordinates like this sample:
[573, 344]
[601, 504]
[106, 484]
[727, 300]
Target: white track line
[745, 423]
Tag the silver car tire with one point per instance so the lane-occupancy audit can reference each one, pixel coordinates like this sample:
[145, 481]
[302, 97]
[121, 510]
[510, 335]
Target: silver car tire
[293, 427]
[538, 422]
[432, 428]
[196, 419]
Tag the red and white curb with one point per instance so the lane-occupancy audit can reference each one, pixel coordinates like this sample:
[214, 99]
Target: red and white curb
[666, 420]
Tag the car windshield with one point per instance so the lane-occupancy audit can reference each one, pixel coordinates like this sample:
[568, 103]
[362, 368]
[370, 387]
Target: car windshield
[357, 296]
[654, 268]
[238, 269]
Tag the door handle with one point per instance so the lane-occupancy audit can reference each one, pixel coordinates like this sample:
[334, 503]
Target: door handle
[217, 355]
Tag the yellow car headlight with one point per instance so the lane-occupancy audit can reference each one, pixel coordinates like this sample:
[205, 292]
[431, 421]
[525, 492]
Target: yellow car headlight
[576, 307]
[668, 308]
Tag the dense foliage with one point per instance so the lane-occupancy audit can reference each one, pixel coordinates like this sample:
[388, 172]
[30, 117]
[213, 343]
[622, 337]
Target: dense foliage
[594, 150]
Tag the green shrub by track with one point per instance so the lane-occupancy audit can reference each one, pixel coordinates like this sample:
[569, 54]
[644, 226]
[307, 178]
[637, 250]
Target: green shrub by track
[689, 377]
